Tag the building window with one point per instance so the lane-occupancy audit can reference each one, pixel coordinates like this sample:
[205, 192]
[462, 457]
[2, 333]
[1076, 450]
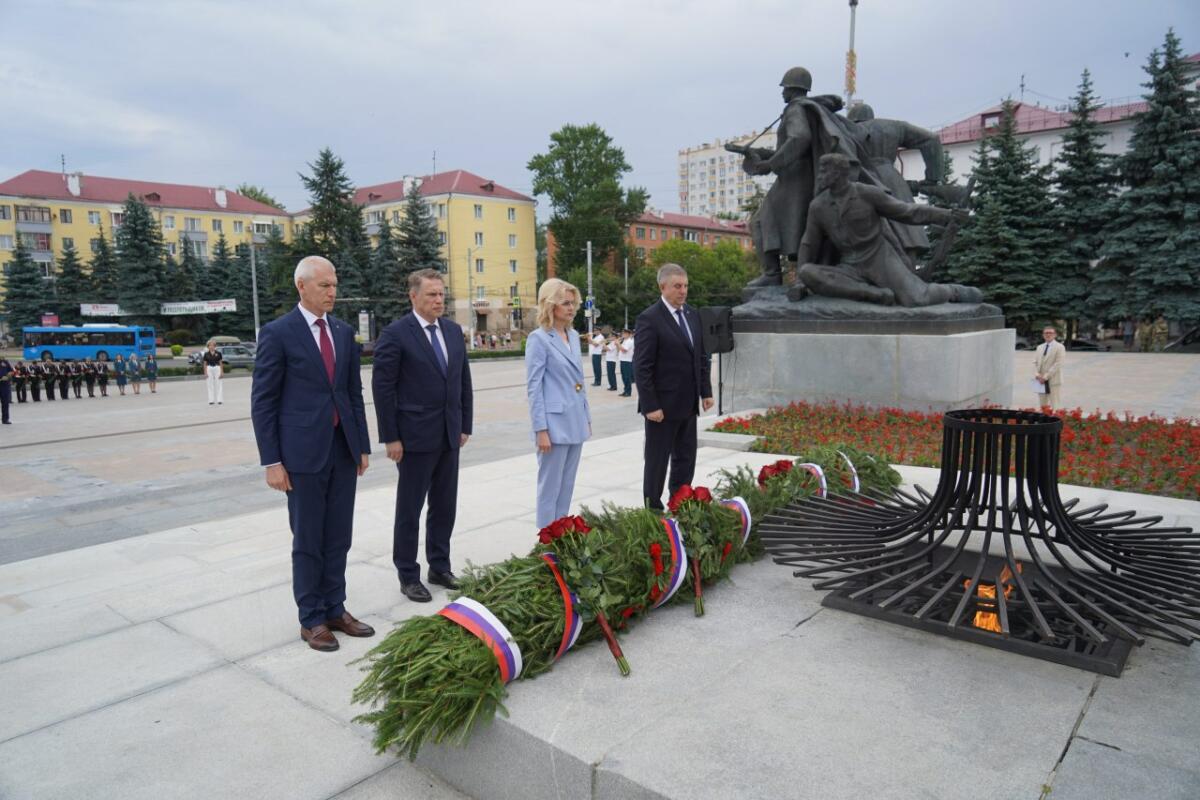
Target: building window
[512, 240]
[47, 269]
[95, 245]
[665, 234]
[169, 222]
[6, 242]
[216, 226]
[512, 266]
[64, 216]
[68, 242]
[199, 249]
[395, 217]
[239, 226]
[441, 211]
[480, 293]
[171, 248]
[641, 252]
[264, 228]
[689, 236]
[512, 214]
[479, 238]
[641, 233]
[375, 217]
[512, 290]
[93, 218]
[5, 212]
[478, 211]
[479, 265]
[191, 223]
[653, 233]
[35, 241]
[441, 237]
[33, 214]
[117, 218]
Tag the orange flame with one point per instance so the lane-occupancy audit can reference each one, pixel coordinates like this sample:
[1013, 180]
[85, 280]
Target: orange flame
[990, 620]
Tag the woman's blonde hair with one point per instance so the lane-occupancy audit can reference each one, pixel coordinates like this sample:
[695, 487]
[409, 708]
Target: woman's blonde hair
[550, 294]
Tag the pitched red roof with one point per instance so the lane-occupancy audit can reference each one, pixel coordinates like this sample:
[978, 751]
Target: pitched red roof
[457, 181]
[1030, 119]
[53, 186]
[691, 221]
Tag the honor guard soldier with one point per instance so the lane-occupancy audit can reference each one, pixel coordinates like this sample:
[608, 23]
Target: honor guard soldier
[49, 378]
[102, 377]
[35, 381]
[21, 381]
[77, 379]
[89, 375]
[6, 372]
[64, 381]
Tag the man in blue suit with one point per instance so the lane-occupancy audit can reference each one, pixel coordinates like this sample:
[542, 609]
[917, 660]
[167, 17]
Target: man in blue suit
[311, 427]
[423, 402]
[672, 371]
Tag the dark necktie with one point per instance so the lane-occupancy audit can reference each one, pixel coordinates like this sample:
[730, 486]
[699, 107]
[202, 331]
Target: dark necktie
[1046, 352]
[683, 324]
[437, 348]
[327, 357]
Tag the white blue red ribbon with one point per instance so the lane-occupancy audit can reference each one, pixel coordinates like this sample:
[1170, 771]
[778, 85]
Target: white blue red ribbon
[739, 505]
[475, 617]
[572, 622]
[853, 472]
[678, 560]
[816, 470]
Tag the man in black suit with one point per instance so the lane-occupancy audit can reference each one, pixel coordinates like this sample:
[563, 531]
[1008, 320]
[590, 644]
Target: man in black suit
[671, 369]
[310, 424]
[423, 403]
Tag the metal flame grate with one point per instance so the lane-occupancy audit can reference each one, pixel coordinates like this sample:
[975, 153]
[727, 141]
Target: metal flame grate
[994, 556]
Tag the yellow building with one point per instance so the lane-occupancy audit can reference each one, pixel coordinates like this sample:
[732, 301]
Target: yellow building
[49, 209]
[487, 234]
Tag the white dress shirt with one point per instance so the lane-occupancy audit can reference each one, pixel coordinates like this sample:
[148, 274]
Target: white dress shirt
[684, 328]
[435, 339]
[315, 329]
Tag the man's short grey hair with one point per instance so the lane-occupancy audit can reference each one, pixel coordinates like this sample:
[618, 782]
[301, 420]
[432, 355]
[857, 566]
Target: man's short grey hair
[308, 267]
[666, 271]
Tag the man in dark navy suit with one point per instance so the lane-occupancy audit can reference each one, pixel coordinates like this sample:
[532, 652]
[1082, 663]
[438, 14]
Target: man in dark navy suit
[311, 428]
[423, 402]
[671, 369]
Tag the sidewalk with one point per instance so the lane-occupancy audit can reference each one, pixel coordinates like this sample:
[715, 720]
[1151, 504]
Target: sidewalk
[169, 665]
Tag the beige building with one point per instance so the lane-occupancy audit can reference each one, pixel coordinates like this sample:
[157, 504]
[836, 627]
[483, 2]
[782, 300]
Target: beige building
[712, 181]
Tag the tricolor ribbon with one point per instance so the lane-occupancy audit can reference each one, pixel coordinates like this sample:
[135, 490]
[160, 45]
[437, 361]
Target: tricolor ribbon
[572, 622]
[678, 559]
[854, 486]
[815, 469]
[475, 617]
[739, 505]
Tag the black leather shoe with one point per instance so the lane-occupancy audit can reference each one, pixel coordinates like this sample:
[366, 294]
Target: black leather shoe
[415, 591]
[446, 579]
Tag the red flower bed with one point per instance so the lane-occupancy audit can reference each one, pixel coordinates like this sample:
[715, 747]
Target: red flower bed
[1135, 454]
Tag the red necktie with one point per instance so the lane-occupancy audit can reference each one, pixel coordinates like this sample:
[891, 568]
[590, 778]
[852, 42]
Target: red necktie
[327, 357]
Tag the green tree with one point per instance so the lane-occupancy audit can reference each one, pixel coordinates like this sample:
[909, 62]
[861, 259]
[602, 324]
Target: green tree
[716, 275]
[280, 265]
[581, 175]
[140, 265]
[334, 214]
[72, 286]
[185, 277]
[103, 270]
[1085, 179]
[1151, 243]
[419, 244]
[258, 193]
[25, 290]
[752, 203]
[1011, 249]
[386, 278]
[214, 281]
[240, 287]
[540, 243]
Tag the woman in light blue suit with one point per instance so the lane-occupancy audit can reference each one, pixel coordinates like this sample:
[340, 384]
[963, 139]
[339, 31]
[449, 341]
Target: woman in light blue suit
[558, 405]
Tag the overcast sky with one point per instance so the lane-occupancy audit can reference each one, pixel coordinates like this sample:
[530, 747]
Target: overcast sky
[223, 92]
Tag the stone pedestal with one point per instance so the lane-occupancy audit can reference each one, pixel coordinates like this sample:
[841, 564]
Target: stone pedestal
[910, 371]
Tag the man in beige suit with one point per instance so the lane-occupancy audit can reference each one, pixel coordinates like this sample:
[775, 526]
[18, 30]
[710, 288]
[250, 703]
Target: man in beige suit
[1049, 365]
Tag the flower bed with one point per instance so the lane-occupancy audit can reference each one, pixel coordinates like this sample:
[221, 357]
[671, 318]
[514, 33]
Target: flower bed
[1137, 454]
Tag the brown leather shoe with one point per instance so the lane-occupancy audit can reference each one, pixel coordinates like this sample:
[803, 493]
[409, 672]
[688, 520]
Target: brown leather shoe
[348, 625]
[320, 638]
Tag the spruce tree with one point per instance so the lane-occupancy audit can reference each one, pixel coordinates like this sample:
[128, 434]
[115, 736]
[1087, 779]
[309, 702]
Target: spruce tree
[139, 263]
[334, 215]
[279, 262]
[1011, 250]
[239, 286]
[186, 275]
[103, 270]
[1154, 235]
[25, 291]
[72, 287]
[386, 283]
[1085, 181]
[215, 281]
[419, 243]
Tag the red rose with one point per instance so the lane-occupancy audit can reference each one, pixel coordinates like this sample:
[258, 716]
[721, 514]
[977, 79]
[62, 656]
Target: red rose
[783, 466]
[544, 535]
[580, 525]
[703, 495]
[681, 494]
[766, 473]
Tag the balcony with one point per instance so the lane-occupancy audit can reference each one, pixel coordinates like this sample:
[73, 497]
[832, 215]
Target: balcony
[33, 227]
[195, 236]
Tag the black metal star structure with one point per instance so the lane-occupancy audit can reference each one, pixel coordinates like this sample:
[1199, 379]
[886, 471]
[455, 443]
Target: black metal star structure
[994, 555]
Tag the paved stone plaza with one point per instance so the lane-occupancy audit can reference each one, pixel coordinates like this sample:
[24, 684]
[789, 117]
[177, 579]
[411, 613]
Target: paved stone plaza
[163, 660]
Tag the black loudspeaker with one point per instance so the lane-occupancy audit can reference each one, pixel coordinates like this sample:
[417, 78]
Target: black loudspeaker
[717, 324]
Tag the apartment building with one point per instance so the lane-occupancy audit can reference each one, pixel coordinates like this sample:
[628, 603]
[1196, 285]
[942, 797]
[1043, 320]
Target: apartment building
[712, 181]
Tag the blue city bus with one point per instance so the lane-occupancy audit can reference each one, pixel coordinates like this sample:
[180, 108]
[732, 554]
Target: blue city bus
[97, 342]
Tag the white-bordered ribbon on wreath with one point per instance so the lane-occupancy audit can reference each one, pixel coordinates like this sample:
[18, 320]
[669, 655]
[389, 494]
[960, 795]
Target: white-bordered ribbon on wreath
[739, 505]
[475, 617]
[678, 559]
[816, 470]
[853, 472]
